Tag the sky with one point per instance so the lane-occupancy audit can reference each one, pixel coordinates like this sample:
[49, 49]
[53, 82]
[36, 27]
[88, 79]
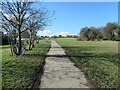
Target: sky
[72, 16]
[80, 0]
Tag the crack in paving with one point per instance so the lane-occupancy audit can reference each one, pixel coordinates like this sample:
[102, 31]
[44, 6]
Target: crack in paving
[60, 72]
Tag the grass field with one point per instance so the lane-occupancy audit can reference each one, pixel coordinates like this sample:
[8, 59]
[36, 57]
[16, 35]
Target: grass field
[20, 71]
[98, 59]
[4, 46]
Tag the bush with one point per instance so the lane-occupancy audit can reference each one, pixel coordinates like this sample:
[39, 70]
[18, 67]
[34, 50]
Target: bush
[5, 40]
[78, 39]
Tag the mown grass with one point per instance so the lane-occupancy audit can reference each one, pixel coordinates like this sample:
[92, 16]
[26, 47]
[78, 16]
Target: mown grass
[98, 59]
[4, 46]
[20, 71]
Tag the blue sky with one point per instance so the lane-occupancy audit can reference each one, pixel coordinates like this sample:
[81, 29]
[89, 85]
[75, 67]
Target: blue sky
[72, 16]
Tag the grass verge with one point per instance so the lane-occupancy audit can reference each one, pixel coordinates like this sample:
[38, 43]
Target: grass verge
[20, 71]
[98, 59]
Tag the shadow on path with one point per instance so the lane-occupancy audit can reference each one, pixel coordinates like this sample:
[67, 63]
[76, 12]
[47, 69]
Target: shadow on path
[31, 55]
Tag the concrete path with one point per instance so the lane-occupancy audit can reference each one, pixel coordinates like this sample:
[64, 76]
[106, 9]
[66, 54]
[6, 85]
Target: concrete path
[60, 72]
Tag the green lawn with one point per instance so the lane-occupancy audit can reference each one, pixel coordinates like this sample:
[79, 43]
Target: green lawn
[4, 46]
[20, 71]
[98, 59]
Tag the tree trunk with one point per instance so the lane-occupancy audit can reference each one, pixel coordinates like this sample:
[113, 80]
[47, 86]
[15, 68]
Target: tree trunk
[19, 44]
[11, 49]
[30, 42]
[33, 44]
[11, 45]
[30, 45]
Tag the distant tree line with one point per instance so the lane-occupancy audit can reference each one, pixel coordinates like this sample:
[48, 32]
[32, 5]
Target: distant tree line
[67, 36]
[110, 32]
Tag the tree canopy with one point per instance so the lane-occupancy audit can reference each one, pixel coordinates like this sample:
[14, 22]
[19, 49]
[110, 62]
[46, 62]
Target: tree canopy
[110, 32]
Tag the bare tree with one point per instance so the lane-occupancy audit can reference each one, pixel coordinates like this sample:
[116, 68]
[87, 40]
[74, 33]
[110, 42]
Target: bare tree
[40, 19]
[7, 27]
[22, 17]
[17, 12]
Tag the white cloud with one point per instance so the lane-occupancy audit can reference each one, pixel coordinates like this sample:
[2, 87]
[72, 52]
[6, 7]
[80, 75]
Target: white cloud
[72, 34]
[26, 16]
[61, 33]
[64, 33]
[10, 16]
[45, 32]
